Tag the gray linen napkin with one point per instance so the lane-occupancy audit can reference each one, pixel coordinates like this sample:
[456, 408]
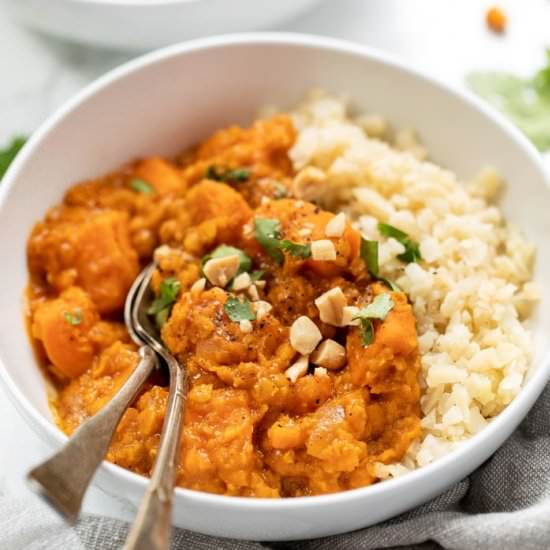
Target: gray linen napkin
[505, 504]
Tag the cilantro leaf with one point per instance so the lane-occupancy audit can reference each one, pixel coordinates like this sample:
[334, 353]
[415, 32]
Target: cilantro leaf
[162, 304]
[257, 275]
[245, 263]
[390, 284]
[267, 233]
[294, 249]
[141, 186]
[369, 253]
[412, 250]
[377, 309]
[73, 319]
[238, 310]
[230, 176]
[9, 153]
[367, 331]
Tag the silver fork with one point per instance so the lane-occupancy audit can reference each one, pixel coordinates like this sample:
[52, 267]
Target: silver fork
[151, 528]
[63, 479]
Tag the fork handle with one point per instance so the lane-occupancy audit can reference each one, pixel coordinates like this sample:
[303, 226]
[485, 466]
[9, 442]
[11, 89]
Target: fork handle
[63, 479]
[151, 528]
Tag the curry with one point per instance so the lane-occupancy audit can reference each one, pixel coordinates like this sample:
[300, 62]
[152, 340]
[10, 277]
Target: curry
[303, 366]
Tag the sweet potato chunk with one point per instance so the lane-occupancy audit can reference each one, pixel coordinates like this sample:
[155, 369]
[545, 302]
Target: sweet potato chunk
[63, 326]
[217, 213]
[106, 263]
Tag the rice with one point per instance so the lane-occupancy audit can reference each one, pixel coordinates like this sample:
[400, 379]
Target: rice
[471, 293]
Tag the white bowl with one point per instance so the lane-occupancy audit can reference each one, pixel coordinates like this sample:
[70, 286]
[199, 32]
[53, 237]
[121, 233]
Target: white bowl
[169, 99]
[148, 24]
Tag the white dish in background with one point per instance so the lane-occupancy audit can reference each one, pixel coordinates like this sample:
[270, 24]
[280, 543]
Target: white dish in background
[118, 118]
[147, 24]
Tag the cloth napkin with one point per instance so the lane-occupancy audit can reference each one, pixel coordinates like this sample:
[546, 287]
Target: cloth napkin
[505, 504]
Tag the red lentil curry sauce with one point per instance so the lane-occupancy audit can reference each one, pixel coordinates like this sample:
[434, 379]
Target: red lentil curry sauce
[303, 368]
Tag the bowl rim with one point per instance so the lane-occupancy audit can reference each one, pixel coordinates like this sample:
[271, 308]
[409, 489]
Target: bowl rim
[519, 406]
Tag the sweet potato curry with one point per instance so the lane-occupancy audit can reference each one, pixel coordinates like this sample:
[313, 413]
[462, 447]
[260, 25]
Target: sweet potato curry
[302, 363]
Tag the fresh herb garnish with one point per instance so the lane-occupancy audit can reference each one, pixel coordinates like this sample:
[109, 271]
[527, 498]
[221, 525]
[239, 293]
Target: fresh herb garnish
[268, 233]
[369, 253]
[256, 275]
[412, 251]
[9, 153]
[238, 310]
[224, 250]
[141, 186]
[73, 319]
[162, 304]
[377, 309]
[390, 284]
[280, 191]
[526, 101]
[229, 176]
[295, 249]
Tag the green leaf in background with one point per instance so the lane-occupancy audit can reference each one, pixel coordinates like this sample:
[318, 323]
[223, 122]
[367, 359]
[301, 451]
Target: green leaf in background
[9, 153]
[525, 101]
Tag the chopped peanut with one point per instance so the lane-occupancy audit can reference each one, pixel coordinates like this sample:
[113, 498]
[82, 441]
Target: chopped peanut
[336, 226]
[219, 271]
[253, 293]
[320, 372]
[161, 252]
[260, 284]
[331, 306]
[298, 369]
[323, 250]
[496, 20]
[308, 183]
[262, 309]
[241, 281]
[198, 286]
[304, 335]
[246, 326]
[330, 354]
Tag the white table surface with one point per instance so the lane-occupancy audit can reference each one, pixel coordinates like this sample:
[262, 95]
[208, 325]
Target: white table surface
[445, 38]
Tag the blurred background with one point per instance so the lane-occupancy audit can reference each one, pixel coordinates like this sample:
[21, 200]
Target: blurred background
[500, 53]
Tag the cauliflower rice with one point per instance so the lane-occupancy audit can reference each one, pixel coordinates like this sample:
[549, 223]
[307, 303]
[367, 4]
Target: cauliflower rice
[472, 290]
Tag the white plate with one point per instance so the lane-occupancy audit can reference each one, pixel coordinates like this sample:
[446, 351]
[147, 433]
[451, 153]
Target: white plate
[168, 100]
